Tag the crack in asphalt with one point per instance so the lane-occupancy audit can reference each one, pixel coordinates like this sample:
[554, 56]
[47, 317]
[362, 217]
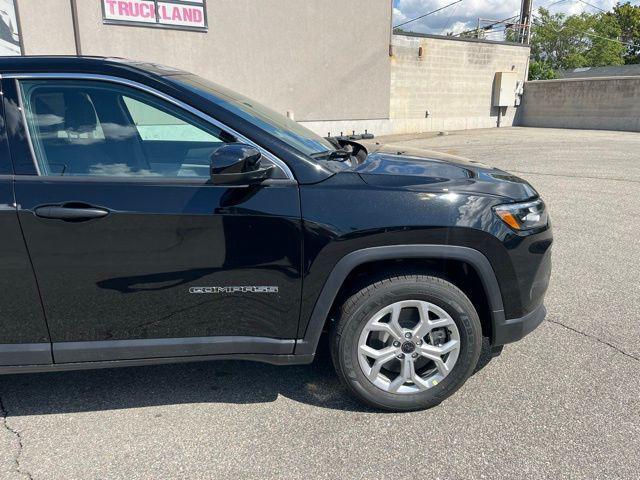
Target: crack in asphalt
[18, 436]
[599, 340]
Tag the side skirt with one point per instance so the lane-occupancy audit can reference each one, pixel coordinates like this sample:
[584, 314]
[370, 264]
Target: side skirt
[25, 354]
[42, 357]
[108, 350]
[58, 367]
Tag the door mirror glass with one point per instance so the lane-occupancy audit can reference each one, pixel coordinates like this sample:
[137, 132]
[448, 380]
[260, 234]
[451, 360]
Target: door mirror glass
[238, 164]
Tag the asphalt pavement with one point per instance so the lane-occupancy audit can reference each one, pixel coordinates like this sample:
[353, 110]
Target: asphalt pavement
[562, 403]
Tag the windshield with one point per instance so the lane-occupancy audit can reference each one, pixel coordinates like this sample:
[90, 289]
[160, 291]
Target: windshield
[262, 117]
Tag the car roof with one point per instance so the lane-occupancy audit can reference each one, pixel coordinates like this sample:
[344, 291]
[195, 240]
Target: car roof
[163, 79]
[81, 64]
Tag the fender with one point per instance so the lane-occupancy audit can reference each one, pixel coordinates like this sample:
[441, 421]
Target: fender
[341, 270]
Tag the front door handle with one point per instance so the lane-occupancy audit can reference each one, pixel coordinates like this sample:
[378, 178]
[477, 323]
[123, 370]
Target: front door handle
[70, 213]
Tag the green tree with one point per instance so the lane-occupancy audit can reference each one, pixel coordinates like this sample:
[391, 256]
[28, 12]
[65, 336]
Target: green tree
[560, 42]
[605, 47]
[541, 71]
[628, 18]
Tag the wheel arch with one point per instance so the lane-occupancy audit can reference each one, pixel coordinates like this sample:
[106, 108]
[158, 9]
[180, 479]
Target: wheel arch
[352, 261]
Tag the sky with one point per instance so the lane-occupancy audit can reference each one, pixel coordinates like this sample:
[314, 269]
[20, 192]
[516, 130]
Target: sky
[464, 15]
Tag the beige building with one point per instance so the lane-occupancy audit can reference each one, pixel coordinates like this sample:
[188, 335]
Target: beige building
[331, 64]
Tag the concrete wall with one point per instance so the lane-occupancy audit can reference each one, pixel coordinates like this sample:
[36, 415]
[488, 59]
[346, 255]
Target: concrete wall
[453, 80]
[320, 59]
[593, 103]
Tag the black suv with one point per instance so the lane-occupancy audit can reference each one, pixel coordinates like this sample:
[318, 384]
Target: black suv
[150, 216]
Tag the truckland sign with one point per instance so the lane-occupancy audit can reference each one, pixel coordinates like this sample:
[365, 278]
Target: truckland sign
[180, 14]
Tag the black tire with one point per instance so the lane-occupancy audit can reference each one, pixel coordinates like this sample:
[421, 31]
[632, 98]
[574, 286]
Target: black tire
[362, 305]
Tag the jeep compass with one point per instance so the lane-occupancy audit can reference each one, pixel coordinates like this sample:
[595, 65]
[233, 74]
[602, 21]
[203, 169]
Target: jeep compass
[152, 216]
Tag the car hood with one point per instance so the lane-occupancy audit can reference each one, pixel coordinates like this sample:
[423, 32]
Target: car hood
[387, 166]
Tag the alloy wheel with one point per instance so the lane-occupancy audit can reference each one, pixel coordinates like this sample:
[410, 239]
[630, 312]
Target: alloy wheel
[408, 347]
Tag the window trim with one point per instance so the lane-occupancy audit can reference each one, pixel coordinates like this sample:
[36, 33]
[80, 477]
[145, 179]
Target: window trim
[27, 131]
[141, 87]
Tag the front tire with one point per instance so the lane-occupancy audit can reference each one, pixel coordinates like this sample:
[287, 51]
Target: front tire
[406, 342]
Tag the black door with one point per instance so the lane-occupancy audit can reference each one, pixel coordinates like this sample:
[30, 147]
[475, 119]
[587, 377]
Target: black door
[24, 339]
[136, 253]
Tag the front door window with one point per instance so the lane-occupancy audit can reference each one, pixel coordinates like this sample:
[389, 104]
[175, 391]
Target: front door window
[94, 128]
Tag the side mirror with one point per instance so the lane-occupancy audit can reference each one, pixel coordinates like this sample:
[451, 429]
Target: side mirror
[238, 164]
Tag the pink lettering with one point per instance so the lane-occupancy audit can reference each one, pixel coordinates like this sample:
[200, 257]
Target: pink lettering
[112, 6]
[124, 8]
[148, 11]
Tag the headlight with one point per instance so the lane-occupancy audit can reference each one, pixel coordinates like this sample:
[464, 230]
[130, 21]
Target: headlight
[523, 216]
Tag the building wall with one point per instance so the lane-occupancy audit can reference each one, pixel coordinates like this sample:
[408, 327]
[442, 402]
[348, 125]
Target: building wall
[320, 59]
[593, 103]
[46, 27]
[453, 81]
[326, 61]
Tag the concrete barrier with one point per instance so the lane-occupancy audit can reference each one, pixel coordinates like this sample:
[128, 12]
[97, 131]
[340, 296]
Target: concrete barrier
[608, 103]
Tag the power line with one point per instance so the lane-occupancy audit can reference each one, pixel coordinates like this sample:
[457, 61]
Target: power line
[594, 6]
[589, 34]
[606, 38]
[557, 2]
[495, 32]
[449, 20]
[490, 26]
[427, 14]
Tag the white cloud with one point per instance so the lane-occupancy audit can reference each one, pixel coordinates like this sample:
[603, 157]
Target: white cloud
[464, 15]
[457, 27]
[398, 16]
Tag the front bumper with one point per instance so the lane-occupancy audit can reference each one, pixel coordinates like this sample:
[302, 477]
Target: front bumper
[514, 329]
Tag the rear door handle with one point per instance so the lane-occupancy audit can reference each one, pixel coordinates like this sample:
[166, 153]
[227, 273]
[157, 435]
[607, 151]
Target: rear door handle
[70, 213]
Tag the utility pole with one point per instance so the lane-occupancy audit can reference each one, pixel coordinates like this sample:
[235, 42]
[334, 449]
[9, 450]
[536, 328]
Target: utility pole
[525, 21]
[76, 26]
[19, 27]
[391, 30]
